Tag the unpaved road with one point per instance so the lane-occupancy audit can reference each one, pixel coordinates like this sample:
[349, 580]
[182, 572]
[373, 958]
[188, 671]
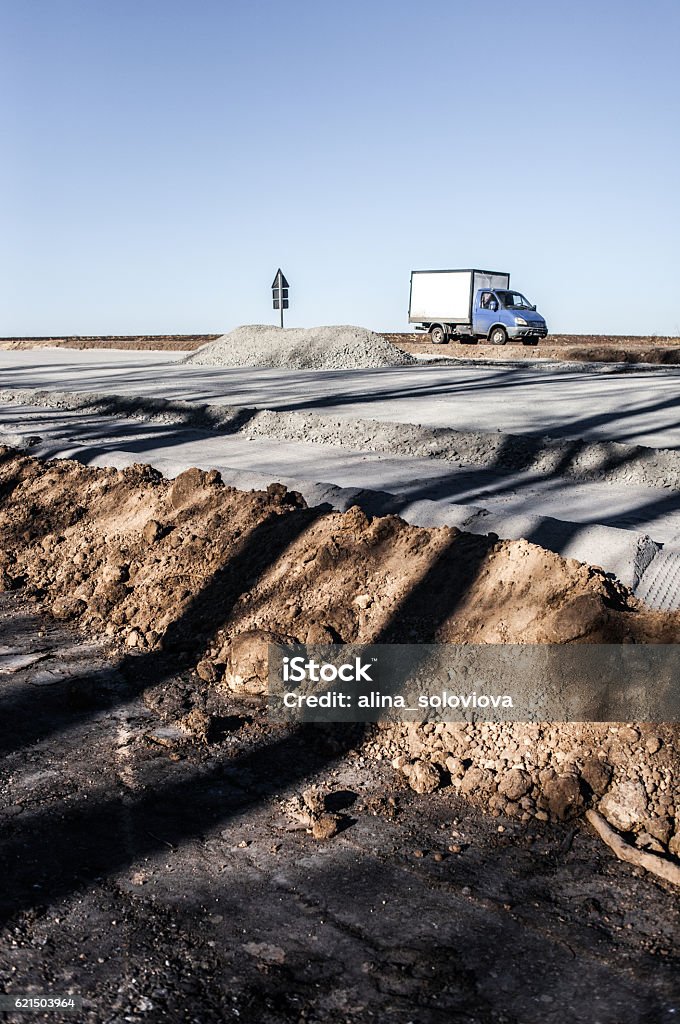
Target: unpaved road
[160, 878]
[549, 502]
[633, 406]
[423, 489]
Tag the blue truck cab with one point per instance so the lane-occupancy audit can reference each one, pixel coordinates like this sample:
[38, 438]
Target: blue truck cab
[469, 305]
[500, 314]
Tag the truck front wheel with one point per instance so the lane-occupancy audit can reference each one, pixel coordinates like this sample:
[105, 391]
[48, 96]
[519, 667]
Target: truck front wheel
[498, 336]
[437, 334]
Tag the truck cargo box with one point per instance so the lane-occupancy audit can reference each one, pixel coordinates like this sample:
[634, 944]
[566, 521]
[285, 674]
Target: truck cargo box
[446, 296]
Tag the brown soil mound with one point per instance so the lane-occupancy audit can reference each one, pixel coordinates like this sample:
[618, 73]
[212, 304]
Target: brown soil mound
[139, 342]
[186, 567]
[132, 553]
[571, 348]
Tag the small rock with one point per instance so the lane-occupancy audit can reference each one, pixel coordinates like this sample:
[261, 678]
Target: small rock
[515, 784]
[198, 723]
[596, 774]
[186, 486]
[319, 634]
[168, 735]
[266, 952]
[206, 671]
[248, 660]
[477, 782]
[314, 799]
[661, 828]
[152, 531]
[277, 491]
[298, 812]
[625, 805]
[68, 608]
[563, 796]
[326, 826]
[423, 777]
[646, 842]
[455, 767]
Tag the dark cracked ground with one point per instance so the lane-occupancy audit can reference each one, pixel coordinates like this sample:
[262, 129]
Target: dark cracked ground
[155, 873]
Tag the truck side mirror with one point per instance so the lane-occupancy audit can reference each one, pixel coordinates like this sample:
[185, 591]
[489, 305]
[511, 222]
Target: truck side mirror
[534, 308]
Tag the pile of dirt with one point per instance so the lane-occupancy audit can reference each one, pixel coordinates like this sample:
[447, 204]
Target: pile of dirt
[634, 356]
[316, 348]
[616, 340]
[550, 771]
[205, 575]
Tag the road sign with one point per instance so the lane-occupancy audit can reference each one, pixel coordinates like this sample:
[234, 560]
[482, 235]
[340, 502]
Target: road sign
[280, 292]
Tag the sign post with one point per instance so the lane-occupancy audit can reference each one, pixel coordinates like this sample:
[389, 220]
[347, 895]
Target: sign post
[280, 292]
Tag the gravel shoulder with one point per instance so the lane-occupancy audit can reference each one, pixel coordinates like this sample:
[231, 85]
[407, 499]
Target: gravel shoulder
[576, 459]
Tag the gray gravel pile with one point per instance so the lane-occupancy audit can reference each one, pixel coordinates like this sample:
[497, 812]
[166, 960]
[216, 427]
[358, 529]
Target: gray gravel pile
[315, 348]
[608, 461]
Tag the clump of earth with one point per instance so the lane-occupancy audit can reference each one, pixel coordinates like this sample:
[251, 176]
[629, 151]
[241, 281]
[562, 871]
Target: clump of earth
[550, 771]
[207, 576]
[316, 348]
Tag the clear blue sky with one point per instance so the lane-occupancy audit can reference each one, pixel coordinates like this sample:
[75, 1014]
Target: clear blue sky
[161, 158]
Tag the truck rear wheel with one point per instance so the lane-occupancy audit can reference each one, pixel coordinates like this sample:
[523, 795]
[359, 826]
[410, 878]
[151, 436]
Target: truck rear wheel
[498, 336]
[437, 334]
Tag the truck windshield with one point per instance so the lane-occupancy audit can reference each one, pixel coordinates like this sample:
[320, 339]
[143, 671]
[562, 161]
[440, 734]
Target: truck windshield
[513, 300]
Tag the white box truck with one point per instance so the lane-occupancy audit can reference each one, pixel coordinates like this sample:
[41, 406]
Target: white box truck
[472, 304]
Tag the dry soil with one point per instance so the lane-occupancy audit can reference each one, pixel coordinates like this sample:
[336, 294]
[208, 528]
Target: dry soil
[203, 576]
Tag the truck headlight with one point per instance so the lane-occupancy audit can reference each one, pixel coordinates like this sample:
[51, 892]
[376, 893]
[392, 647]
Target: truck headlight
[520, 321]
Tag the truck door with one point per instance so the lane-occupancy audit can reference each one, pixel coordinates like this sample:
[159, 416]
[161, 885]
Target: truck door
[485, 312]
